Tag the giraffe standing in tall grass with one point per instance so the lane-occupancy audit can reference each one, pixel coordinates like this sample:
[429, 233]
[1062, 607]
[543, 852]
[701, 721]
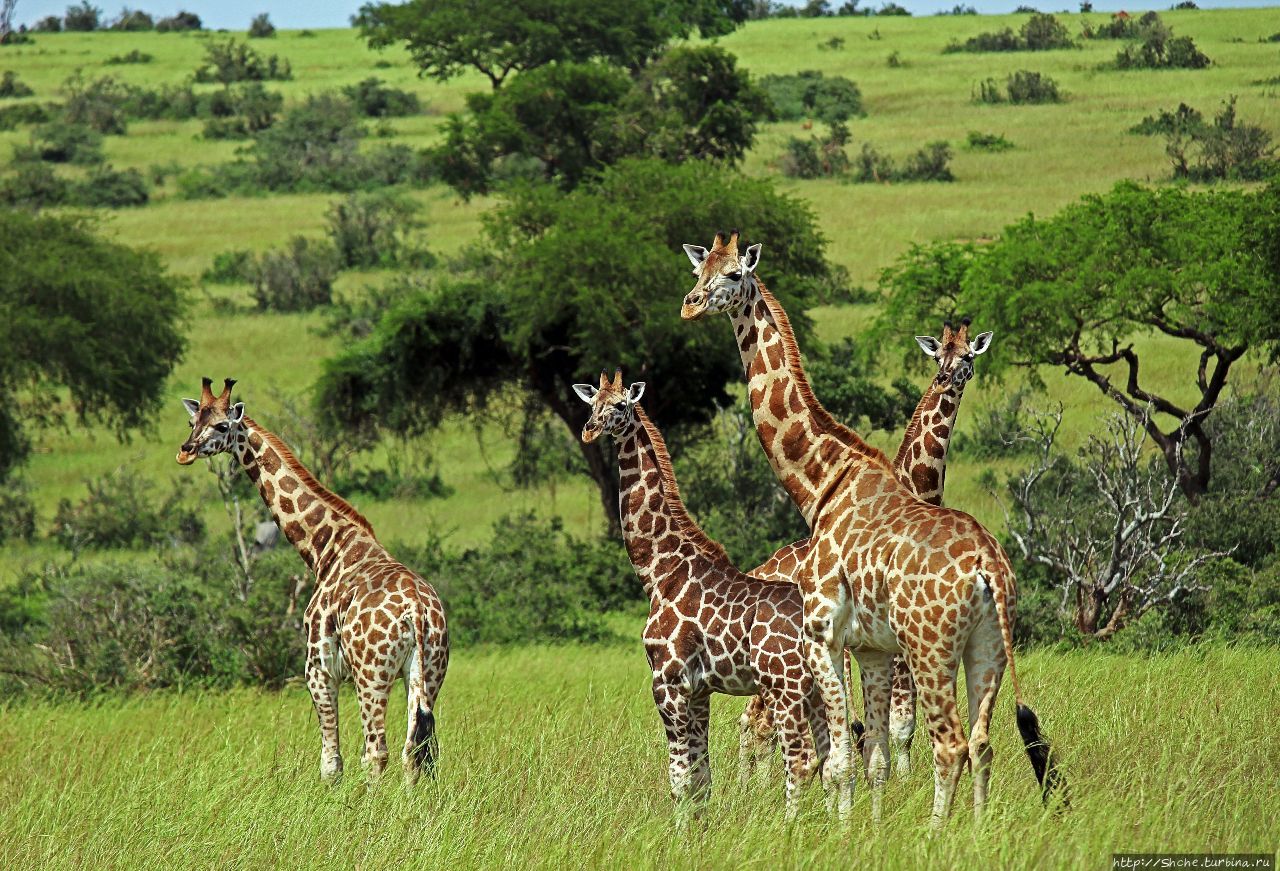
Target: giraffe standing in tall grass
[886, 573]
[921, 465]
[711, 629]
[369, 619]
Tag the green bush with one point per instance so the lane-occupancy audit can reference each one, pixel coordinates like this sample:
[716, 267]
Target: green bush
[178, 23]
[240, 111]
[930, 163]
[97, 103]
[61, 142]
[34, 185]
[1041, 32]
[1157, 48]
[298, 278]
[376, 230]
[229, 267]
[978, 141]
[817, 158]
[810, 94]
[17, 512]
[24, 113]
[261, 27]
[130, 57]
[120, 511]
[377, 100]
[12, 86]
[82, 18]
[48, 24]
[1025, 86]
[1226, 149]
[109, 188]
[133, 20]
[231, 61]
[1181, 120]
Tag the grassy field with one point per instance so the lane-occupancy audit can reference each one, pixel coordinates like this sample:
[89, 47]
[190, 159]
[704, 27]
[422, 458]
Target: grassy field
[1062, 152]
[553, 757]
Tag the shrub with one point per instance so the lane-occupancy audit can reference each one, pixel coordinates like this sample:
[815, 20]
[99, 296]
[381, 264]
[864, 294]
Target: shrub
[120, 512]
[34, 185]
[1025, 86]
[299, 278]
[133, 20]
[240, 111]
[1158, 48]
[261, 27]
[895, 60]
[376, 100]
[989, 92]
[376, 230]
[24, 113]
[835, 43]
[1181, 119]
[180, 22]
[1221, 150]
[48, 24]
[1040, 33]
[811, 94]
[930, 163]
[98, 103]
[1119, 27]
[60, 142]
[229, 267]
[82, 18]
[894, 9]
[172, 102]
[977, 141]
[131, 57]
[12, 86]
[817, 158]
[232, 61]
[17, 513]
[109, 188]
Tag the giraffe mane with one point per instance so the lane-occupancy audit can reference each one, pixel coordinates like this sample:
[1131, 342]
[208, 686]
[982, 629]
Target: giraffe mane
[791, 354]
[671, 492]
[327, 496]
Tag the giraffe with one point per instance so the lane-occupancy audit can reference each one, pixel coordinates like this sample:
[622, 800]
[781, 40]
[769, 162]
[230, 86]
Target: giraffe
[711, 629]
[370, 618]
[885, 573]
[920, 464]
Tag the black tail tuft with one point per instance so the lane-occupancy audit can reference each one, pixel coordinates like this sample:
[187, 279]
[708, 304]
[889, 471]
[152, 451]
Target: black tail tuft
[425, 746]
[1040, 753]
[859, 731]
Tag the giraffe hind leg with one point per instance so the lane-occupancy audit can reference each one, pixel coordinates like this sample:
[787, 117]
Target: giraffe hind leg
[323, 686]
[902, 716]
[755, 739]
[984, 664]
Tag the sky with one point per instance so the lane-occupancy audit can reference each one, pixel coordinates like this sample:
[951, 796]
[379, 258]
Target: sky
[235, 14]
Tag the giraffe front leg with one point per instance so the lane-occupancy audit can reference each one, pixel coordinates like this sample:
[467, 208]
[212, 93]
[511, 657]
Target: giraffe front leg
[791, 718]
[323, 686]
[373, 688]
[902, 716]
[700, 757]
[674, 709]
[755, 739]
[877, 676]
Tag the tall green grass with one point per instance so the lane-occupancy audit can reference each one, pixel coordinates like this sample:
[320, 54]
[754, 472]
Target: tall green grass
[554, 757]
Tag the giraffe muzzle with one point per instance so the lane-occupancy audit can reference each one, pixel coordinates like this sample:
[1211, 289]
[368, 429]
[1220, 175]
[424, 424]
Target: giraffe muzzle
[590, 432]
[695, 305]
[186, 457]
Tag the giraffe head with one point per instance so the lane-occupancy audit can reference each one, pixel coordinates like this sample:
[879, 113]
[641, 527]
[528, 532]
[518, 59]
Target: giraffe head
[954, 353]
[214, 422]
[612, 406]
[722, 274]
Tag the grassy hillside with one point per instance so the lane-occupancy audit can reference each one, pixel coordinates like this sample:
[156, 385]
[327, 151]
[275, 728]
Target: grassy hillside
[560, 761]
[1062, 151]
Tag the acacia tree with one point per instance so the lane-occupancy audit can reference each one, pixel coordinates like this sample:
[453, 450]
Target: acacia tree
[567, 285]
[84, 315]
[1077, 289]
[448, 37]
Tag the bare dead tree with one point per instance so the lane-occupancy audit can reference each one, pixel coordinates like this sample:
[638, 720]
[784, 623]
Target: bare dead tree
[1107, 526]
[7, 8]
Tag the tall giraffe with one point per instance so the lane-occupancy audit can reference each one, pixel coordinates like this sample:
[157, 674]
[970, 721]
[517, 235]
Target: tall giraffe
[920, 464]
[370, 618]
[886, 573]
[711, 629]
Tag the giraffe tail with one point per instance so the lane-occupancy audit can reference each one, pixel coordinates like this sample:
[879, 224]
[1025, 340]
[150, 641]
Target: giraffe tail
[422, 734]
[1043, 760]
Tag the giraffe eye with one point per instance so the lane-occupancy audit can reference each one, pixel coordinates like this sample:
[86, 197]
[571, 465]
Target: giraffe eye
[221, 427]
[734, 276]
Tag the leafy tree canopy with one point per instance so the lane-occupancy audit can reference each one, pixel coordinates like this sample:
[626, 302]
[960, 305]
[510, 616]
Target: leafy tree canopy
[569, 284]
[81, 314]
[1073, 290]
[449, 37]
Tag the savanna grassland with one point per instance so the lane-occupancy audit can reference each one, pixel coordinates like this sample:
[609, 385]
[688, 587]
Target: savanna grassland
[552, 755]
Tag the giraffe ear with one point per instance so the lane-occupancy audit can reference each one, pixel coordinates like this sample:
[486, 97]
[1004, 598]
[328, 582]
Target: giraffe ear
[586, 392]
[192, 407]
[928, 344]
[696, 254]
[235, 413]
[981, 343]
[751, 259]
[635, 392]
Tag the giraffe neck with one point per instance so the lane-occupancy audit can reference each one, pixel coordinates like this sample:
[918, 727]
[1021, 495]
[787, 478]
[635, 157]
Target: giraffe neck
[316, 521]
[658, 531]
[921, 462]
[806, 446]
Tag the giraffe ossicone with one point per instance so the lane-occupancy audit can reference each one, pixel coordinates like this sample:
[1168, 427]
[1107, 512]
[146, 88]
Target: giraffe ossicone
[711, 629]
[369, 619]
[886, 573]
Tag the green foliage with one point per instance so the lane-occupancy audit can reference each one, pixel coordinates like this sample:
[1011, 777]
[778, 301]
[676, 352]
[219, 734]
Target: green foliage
[48, 24]
[82, 18]
[231, 61]
[120, 512]
[17, 512]
[998, 432]
[98, 103]
[134, 56]
[1022, 87]
[1157, 48]
[377, 100]
[447, 37]
[930, 163]
[1041, 32]
[84, 315]
[34, 185]
[810, 94]
[1227, 149]
[298, 278]
[24, 113]
[133, 20]
[978, 141]
[12, 86]
[261, 27]
[817, 158]
[183, 21]
[105, 187]
[240, 111]
[229, 267]
[377, 229]
[1184, 119]
[63, 142]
